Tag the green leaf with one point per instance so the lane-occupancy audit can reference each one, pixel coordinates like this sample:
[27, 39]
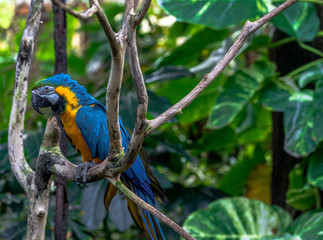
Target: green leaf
[216, 140]
[299, 21]
[315, 170]
[274, 97]
[260, 127]
[237, 218]
[309, 225]
[311, 75]
[234, 182]
[214, 13]
[298, 124]
[300, 195]
[79, 231]
[200, 108]
[238, 90]
[318, 111]
[168, 73]
[190, 51]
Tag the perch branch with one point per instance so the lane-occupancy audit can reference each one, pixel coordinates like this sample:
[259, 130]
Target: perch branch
[82, 16]
[129, 194]
[248, 29]
[19, 166]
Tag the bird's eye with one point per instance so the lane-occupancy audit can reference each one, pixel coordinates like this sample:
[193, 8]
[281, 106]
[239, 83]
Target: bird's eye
[46, 88]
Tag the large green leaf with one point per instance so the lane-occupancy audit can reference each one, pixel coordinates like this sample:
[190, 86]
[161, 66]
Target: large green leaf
[214, 13]
[190, 51]
[298, 124]
[237, 218]
[238, 90]
[299, 21]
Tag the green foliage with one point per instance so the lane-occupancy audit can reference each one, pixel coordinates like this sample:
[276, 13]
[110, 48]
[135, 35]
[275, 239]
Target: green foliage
[299, 21]
[242, 218]
[300, 195]
[216, 13]
[238, 91]
[315, 170]
[237, 218]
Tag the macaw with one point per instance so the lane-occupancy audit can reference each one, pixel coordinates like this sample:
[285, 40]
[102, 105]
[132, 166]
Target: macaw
[84, 121]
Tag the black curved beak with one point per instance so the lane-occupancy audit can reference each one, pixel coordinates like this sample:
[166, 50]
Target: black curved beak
[38, 101]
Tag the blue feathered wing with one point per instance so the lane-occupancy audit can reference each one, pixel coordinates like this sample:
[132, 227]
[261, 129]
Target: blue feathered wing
[91, 121]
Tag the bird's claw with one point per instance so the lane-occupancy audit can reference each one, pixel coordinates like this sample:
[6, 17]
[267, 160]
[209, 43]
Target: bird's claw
[81, 171]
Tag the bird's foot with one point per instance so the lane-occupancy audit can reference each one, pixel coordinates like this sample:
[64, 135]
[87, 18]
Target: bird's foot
[81, 171]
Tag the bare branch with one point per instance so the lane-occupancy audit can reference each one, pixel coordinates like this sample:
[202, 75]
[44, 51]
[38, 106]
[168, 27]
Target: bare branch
[19, 166]
[82, 16]
[249, 28]
[115, 80]
[141, 121]
[142, 12]
[112, 102]
[106, 27]
[129, 194]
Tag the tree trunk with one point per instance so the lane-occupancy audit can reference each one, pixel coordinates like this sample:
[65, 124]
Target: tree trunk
[61, 211]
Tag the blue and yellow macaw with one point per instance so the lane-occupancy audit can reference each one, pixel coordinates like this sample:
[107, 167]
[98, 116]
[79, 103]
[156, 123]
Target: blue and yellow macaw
[84, 122]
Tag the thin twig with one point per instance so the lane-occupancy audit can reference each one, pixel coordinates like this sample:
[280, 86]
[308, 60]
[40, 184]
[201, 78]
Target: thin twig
[129, 194]
[82, 16]
[249, 28]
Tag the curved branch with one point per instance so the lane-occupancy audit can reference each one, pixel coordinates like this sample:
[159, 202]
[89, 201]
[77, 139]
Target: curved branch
[128, 193]
[248, 29]
[20, 167]
[142, 96]
[82, 16]
[142, 12]
[106, 27]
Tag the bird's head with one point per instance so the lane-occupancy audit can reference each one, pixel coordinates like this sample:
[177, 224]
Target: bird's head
[59, 92]
[46, 93]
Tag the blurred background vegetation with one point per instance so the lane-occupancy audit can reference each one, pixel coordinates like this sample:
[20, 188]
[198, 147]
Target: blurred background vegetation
[255, 132]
